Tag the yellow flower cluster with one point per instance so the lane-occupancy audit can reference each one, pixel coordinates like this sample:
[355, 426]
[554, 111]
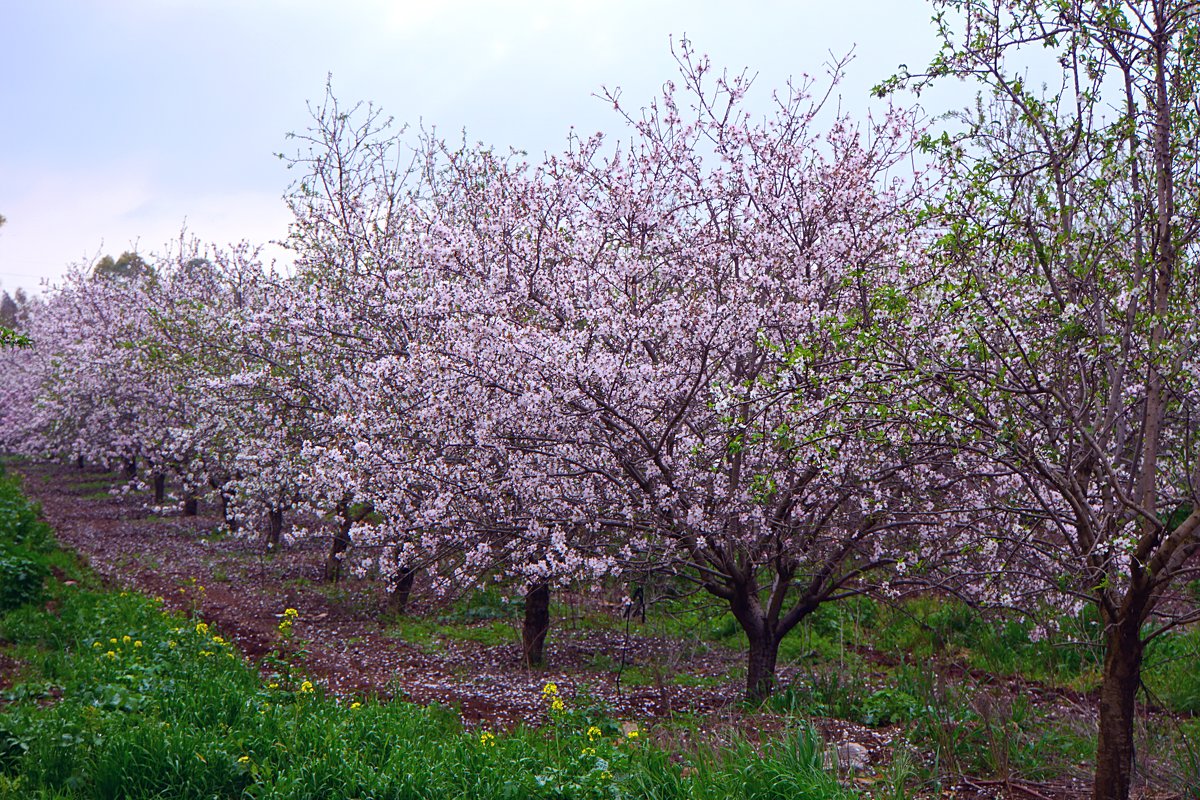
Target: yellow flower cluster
[306, 687]
[487, 739]
[290, 615]
[117, 645]
[594, 733]
[550, 692]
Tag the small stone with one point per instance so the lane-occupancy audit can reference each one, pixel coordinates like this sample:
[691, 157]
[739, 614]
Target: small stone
[848, 757]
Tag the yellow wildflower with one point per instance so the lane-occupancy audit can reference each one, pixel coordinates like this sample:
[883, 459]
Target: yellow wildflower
[97, 644]
[355, 705]
[594, 733]
[632, 734]
[306, 687]
[202, 628]
[138, 643]
[111, 654]
[126, 639]
[557, 704]
[244, 759]
[272, 685]
[487, 739]
[218, 640]
[549, 690]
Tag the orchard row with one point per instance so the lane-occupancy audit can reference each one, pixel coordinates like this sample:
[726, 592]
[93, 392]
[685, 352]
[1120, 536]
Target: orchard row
[790, 358]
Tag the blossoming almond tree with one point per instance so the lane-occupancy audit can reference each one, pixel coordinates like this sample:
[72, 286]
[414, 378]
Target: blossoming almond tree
[686, 329]
[1063, 341]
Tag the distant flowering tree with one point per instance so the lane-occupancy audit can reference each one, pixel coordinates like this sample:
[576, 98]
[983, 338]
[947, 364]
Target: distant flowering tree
[84, 375]
[212, 350]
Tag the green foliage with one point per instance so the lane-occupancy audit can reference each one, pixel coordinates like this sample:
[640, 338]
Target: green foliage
[20, 522]
[1188, 757]
[788, 767]
[1170, 672]
[128, 267]
[484, 605]
[10, 338]
[889, 706]
[930, 627]
[21, 578]
[24, 547]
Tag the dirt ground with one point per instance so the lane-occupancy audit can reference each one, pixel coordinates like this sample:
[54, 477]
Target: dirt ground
[234, 584]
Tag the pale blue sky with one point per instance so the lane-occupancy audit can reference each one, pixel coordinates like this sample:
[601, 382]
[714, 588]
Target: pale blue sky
[121, 118]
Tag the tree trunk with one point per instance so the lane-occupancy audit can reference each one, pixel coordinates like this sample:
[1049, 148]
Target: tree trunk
[760, 665]
[79, 462]
[341, 541]
[191, 506]
[1118, 693]
[537, 623]
[160, 488]
[398, 600]
[763, 637]
[274, 528]
[131, 468]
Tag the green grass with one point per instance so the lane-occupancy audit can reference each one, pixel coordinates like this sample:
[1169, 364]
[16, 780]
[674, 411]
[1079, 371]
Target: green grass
[114, 698]
[482, 616]
[430, 635]
[100, 486]
[122, 700]
[189, 721]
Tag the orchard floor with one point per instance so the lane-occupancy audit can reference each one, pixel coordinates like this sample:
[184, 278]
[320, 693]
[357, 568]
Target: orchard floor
[233, 584]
